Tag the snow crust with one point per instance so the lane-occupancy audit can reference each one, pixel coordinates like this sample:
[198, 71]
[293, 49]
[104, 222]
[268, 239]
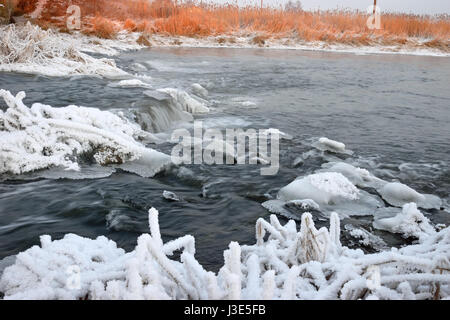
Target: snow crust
[285, 263]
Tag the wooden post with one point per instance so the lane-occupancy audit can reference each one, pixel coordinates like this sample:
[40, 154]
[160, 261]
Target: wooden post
[374, 7]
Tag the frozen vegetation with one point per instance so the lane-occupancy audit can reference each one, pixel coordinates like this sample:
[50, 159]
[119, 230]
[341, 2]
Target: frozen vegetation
[42, 136]
[285, 263]
[30, 49]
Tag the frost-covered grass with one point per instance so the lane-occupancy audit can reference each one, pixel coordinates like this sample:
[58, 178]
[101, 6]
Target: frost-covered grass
[285, 263]
[42, 136]
[30, 49]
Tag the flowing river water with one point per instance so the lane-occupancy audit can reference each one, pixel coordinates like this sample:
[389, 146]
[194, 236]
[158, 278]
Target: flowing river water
[392, 111]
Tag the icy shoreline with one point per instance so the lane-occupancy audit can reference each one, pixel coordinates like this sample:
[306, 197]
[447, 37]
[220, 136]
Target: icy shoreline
[289, 44]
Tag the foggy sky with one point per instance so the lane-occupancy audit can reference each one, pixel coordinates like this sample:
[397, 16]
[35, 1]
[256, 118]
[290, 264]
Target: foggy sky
[406, 6]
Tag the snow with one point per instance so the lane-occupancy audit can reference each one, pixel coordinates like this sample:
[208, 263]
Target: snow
[398, 194]
[245, 41]
[323, 188]
[42, 136]
[284, 263]
[29, 49]
[410, 222]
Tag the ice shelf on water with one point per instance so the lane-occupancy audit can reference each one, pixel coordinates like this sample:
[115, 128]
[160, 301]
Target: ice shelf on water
[285, 263]
[42, 136]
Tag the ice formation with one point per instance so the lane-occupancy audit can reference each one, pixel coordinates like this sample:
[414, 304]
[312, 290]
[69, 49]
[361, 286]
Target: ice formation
[410, 222]
[171, 196]
[358, 176]
[285, 264]
[186, 102]
[199, 90]
[30, 49]
[398, 194]
[323, 188]
[41, 137]
[131, 83]
[326, 144]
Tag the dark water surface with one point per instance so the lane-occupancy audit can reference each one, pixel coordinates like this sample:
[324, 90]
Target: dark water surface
[393, 111]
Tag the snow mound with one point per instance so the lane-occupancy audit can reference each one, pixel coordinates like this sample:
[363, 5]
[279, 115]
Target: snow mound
[323, 188]
[29, 49]
[410, 222]
[42, 136]
[285, 263]
[185, 102]
[398, 194]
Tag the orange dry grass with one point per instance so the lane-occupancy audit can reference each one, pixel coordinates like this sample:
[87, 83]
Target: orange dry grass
[102, 28]
[163, 16]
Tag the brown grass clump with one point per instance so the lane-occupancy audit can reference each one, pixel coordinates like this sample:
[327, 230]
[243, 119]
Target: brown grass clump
[144, 40]
[103, 28]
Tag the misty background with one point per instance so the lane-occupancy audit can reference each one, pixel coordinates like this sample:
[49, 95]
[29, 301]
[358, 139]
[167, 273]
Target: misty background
[405, 6]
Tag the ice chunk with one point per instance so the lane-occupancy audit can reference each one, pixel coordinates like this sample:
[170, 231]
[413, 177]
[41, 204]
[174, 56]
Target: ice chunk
[323, 188]
[326, 144]
[398, 194]
[168, 195]
[131, 83]
[410, 222]
[358, 176]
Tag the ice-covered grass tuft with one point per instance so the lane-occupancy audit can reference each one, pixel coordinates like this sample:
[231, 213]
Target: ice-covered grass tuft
[285, 263]
[42, 136]
[30, 49]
